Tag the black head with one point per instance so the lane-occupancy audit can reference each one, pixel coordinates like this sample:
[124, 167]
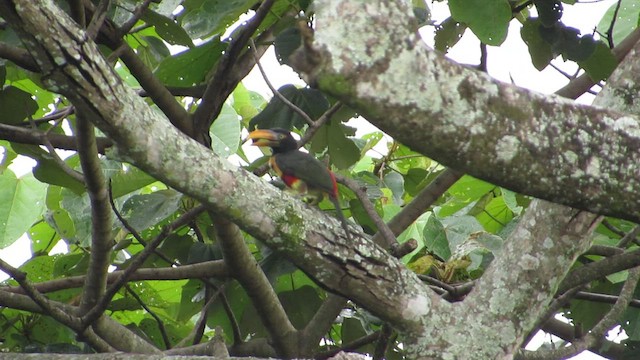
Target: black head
[279, 140]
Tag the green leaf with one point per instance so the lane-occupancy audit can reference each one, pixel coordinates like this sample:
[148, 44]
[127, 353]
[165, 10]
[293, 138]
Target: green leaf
[201, 252]
[495, 215]
[42, 97]
[626, 22]
[279, 115]
[190, 67]
[465, 191]
[8, 155]
[488, 19]
[21, 204]
[128, 180]
[459, 228]
[342, 151]
[43, 238]
[435, 238]
[211, 17]
[62, 223]
[247, 103]
[143, 211]
[510, 200]
[168, 29]
[539, 50]
[16, 105]
[300, 304]
[225, 132]
[78, 209]
[47, 170]
[395, 182]
[286, 43]
[601, 63]
[448, 33]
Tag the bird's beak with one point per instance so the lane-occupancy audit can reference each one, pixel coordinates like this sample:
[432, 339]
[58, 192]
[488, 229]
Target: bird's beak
[263, 138]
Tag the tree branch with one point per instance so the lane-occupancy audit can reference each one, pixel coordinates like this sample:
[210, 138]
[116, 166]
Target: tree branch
[536, 151]
[94, 313]
[36, 137]
[425, 198]
[221, 83]
[246, 270]
[595, 336]
[50, 308]
[18, 56]
[214, 268]
[101, 220]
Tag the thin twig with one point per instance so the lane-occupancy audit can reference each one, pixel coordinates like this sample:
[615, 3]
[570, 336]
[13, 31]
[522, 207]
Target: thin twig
[132, 230]
[99, 308]
[276, 93]
[55, 312]
[389, 238]
[317, 124]
[210, 269]
[163, 330]
[56, 158]
[612, 25]
[596, 335]
[629, 237]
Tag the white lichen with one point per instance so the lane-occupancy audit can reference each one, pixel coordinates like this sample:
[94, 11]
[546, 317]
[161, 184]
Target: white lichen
[507, 148]
[529, 262]
[416, 307]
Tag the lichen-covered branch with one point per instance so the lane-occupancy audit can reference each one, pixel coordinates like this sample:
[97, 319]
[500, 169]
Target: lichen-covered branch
[312, 240]
[544, 146]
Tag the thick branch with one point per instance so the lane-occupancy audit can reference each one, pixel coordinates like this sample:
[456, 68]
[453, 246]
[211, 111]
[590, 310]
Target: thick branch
[543, 146]
[312, 240]
[246, 270]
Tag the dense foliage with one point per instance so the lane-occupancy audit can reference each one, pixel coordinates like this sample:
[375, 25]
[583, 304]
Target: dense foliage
[194, 54]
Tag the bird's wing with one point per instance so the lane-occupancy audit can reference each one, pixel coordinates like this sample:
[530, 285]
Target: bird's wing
[306, 168]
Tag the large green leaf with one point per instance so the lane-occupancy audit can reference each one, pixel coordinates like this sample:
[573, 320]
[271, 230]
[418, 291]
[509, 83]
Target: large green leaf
[488, 19]
[286, 43]
[459, 228]
[21, 204]
[435, 238]
[247, 103]
[143, 211]
[16, 105]
[225, 132]
[342, 151]
[167, 28]
[128, 180]
[190, 67]
[625, 23]
[43, 238]
[448, 33]
[600, 64]
[211, 17]
[278, 115]
[539, 50]
[47, 170]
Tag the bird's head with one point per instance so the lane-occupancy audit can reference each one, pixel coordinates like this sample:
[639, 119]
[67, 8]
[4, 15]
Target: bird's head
[279, 140]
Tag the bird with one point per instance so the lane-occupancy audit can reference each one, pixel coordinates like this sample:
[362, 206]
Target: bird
[299, 170]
